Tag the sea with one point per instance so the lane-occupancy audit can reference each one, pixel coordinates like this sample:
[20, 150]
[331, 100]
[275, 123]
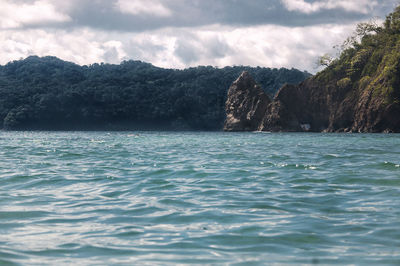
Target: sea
[203, 198]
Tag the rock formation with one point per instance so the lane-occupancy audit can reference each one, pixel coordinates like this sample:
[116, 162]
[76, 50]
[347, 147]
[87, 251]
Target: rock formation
[310, 106]
[358, 92]
[246, 105]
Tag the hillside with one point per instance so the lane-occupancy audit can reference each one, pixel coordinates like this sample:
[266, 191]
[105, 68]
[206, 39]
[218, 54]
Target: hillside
[358, 92]
[50, 94]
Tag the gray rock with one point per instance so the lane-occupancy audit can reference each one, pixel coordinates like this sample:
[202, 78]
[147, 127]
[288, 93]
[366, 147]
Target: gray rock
[246, 105]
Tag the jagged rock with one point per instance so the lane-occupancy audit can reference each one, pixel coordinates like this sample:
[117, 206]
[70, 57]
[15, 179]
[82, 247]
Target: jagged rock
[284, 113]
[310, 106]
[246, 105]
[357, 92]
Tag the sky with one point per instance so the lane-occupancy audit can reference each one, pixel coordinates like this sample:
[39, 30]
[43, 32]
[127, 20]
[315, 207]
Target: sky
[183, 33]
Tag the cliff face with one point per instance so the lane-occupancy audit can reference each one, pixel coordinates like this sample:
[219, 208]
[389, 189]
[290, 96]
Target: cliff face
[358, 92]
[246, 105]
[310, 106]
[306, 107]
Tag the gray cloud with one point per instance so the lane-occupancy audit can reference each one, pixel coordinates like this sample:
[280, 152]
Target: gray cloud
[112, 15]
[182, 33]
[186, 51]
[111, 55]
[217, 48]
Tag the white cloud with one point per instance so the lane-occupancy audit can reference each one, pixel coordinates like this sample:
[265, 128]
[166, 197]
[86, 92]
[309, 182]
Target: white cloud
[13, 15]
[216, 45]
[76, 46]
[139, 7]
[361, 6]
[272, 46]
[269, 46]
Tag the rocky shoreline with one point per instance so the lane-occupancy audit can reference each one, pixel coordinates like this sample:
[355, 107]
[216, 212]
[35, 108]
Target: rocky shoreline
[357, 92]
[307, 107]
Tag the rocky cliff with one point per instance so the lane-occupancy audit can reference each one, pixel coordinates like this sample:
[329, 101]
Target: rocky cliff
[246, 105]
[358, 92]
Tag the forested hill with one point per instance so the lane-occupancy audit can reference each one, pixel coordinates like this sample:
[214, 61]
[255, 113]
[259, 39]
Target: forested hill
[50, 94]
[359, 91]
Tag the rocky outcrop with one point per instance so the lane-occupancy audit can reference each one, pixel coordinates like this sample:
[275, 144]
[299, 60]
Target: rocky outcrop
[313, 106]
[310, 106]
[246, 105]
[357, 92]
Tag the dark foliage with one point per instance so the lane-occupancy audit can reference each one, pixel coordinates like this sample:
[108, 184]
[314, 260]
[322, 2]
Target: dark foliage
[51, 94]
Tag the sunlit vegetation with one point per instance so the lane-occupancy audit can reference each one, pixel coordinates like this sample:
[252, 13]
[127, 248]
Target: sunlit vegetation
[368, 60]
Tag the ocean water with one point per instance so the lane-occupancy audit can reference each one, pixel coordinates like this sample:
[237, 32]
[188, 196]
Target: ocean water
[159, 198]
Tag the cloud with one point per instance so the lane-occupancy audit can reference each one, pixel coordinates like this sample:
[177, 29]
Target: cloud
[139, 16]
[187, 51]
[113, 52]
[360, 6]
[77, 46]
[180, 33]
[200, 46]
[15, 15]
[138, 7]
[214, 45]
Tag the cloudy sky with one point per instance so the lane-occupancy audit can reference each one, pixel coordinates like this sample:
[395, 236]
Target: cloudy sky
[182, 33]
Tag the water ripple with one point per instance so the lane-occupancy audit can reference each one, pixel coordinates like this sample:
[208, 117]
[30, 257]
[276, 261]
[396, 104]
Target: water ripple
[205, 198]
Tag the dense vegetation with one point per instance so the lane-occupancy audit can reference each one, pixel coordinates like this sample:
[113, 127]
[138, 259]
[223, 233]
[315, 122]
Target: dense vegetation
[357, 92]
[369, 61]
[48, 93]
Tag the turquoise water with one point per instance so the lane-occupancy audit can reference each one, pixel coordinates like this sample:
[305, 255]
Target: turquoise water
[207, 198]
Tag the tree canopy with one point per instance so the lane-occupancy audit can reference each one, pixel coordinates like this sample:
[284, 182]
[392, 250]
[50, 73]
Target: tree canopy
[369, 61]
[48, 93]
